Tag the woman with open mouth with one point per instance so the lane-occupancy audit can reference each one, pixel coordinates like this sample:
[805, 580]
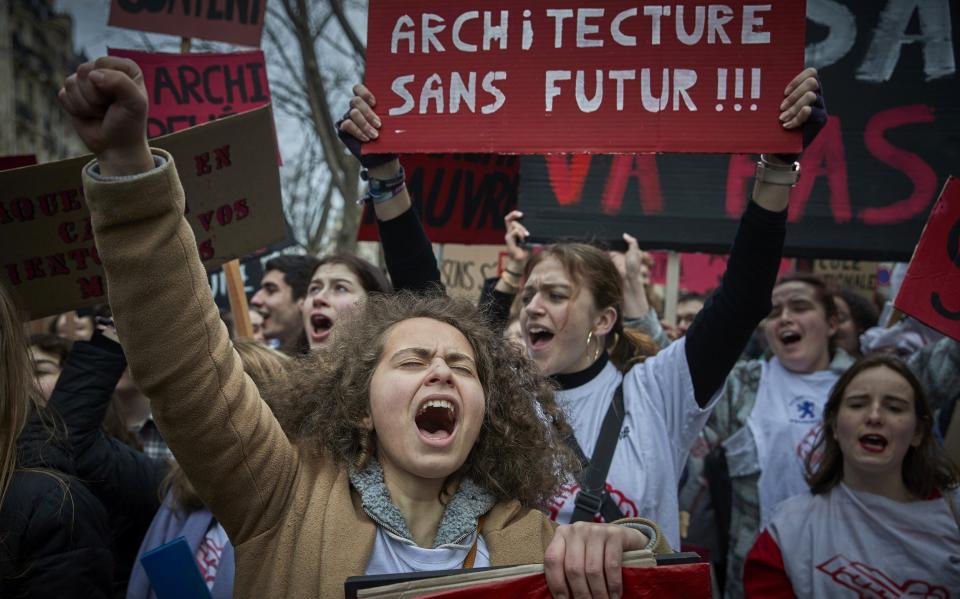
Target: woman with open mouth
[338, 287]
[768, 416]
[880, 517]
[572, 326]
[418, 455]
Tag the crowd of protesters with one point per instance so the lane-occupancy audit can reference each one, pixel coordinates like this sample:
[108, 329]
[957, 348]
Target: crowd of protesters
[374, 425]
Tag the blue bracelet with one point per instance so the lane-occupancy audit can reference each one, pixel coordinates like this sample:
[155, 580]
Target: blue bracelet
[381, 190]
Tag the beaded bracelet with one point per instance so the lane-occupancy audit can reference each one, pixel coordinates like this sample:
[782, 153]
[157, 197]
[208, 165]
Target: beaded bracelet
[381, 190]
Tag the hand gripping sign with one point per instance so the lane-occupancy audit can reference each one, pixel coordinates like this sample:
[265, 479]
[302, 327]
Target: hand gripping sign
[614, 76]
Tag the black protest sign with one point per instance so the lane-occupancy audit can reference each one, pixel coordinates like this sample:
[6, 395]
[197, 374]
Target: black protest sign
[889, 74]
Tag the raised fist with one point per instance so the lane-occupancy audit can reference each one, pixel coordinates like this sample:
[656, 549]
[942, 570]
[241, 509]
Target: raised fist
[107, 102]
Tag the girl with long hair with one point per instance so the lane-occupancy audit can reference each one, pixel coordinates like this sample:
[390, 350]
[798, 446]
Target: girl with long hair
[53, 533]
[881, 512]
[418, 456]
[340, 283]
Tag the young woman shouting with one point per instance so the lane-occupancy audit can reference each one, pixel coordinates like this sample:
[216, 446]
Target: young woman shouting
[881, 515]
[423, 457]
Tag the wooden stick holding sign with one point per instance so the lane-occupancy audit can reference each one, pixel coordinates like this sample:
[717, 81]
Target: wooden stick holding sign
[242, 326]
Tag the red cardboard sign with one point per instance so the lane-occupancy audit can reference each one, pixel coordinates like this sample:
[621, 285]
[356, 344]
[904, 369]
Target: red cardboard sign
[233, 21]
[699, 273]
[931, 290]
[189, 89]
[9, 162]
[613, 76]
[461, 198]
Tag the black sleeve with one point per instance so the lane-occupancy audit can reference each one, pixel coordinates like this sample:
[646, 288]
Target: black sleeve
[723, 327]
[124, 480]
[495, 304]
[59, 542]
[116, 473]
[409, 255]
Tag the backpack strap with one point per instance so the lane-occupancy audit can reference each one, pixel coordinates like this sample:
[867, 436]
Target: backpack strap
[593, 497]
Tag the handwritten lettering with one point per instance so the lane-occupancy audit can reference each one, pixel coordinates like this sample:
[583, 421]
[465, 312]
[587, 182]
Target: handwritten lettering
[241, 11]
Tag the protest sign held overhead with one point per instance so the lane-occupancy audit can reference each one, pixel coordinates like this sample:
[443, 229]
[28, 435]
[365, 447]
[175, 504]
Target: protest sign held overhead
[931, 290]
[538, 77]
[232, 185]
[184, 90]
[461, 198]
[233, 21]
[889, 77]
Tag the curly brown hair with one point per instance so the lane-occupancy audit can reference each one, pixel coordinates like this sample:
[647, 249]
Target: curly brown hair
[519, 453]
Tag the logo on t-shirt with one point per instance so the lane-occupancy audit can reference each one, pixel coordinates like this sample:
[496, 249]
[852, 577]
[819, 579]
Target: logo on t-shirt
[803, 409]
[626, 505]
[870, 583]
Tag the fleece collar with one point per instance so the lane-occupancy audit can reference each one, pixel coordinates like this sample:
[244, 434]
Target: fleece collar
[459, 521]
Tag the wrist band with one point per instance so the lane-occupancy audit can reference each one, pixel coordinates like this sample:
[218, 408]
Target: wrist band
[777, 166]
[381, 190]
[509, 283]
[776, 174]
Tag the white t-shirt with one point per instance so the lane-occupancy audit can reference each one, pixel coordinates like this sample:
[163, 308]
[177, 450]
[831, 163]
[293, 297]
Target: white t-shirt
[662, 421]
[395, 555]
[853, 544]
[785, 421]
[210, 552]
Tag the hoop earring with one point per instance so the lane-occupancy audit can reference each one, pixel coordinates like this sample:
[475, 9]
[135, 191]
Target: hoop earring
[596, 354]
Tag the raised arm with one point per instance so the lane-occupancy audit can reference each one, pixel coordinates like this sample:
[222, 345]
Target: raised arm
[497, 300]
[406, 247]
[721, 330]
[209, 411]
[633, 266]
[125, 480]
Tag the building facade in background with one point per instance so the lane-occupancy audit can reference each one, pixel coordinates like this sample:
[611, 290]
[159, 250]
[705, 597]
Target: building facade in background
[36, 55]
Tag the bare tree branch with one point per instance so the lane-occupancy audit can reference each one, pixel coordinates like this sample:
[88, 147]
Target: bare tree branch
[337, 7]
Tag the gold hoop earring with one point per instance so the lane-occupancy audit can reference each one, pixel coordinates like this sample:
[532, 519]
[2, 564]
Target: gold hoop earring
[596, 354]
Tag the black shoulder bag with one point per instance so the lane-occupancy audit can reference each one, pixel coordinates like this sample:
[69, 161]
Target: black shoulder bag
[593, 497]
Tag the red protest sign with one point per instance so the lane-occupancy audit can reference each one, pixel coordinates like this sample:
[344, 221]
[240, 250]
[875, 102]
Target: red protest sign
[500, 76]
[233, 21]
[9, 162]
[189, 89]
[699, 273]
[461, 198]
[931, 290]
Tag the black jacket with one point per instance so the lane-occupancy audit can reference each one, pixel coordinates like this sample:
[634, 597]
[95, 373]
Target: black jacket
[54, 539]
[123, 479]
